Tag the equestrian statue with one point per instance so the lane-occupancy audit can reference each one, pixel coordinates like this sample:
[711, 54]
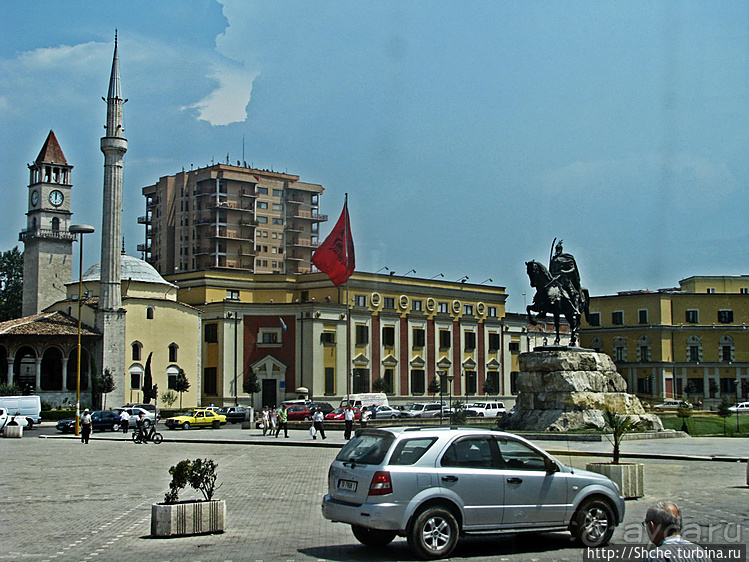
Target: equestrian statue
[558, 292]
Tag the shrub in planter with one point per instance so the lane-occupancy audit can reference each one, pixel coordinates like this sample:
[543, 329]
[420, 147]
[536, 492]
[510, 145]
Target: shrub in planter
[192, 517]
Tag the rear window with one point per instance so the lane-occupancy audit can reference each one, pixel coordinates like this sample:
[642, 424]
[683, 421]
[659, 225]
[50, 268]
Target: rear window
[408, 451]
[366, 448]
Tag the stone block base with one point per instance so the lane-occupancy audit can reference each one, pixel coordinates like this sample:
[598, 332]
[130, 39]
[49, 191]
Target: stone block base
[13, 431]
[630, 477]
[188, 518]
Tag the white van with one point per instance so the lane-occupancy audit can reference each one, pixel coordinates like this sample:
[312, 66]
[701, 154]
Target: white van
[29, 407]
[367, 399]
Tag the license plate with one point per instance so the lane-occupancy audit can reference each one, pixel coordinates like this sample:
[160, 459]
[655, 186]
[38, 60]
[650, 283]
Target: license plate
[348, 485]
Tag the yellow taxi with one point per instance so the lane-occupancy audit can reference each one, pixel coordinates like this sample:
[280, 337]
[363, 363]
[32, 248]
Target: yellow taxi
[196, 418]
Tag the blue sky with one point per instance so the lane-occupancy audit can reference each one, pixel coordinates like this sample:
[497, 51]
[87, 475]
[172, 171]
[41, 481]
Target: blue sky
[468, 135]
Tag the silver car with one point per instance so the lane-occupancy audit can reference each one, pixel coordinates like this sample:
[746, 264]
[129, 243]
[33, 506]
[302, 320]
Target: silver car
[432, 485]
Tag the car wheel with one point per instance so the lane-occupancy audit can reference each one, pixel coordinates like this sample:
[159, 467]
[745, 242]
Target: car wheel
[115, 427]
[146, 422]
[394, 416]
[215, 424]
[372, 537]
[306, 418]
[593, 524]
[434, 533]
[186, 425]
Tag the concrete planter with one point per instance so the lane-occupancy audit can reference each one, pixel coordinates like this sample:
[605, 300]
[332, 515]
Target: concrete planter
[188, 518]
[15, 431]
[630, 477]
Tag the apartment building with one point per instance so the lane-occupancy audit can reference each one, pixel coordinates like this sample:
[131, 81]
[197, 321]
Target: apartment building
[235, 218]
[691, 341]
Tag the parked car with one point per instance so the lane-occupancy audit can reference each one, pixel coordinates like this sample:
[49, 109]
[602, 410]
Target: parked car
[673, 405]
[741, 407]
[234, 414]
[148, 415]
[6, 418]
[385, 412]
[425, 410]
[486, 409]
[196, 418]
[436, 484]
[337, 414]
[324, 406]
[147, 407]
[298, 413]
[101, 420]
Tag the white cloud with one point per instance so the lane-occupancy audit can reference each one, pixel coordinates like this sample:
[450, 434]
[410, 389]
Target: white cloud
[228, 102]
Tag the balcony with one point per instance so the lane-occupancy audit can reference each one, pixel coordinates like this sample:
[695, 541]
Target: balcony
[228, 234]
[305, 243]
[145, 219]
[295, 199]
[143, 248]
[309, 215]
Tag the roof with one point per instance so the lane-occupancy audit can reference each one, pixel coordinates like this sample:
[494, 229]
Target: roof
[131, 269]
[51, 151]
[45, 324]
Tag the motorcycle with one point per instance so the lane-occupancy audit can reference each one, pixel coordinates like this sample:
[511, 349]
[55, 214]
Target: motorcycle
[148, 434]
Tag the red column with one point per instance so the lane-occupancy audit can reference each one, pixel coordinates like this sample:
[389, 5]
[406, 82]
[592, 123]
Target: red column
[457, 361]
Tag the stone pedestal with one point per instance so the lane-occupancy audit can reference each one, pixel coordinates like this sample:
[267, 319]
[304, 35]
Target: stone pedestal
[563, 389]
[630, 477]
[188, 518]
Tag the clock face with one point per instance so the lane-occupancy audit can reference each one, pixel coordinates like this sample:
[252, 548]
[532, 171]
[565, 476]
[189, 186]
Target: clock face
[34, 198]
[56, 197]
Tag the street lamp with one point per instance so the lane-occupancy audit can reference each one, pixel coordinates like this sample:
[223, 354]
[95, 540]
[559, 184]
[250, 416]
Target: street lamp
[450, 378]
[737, 382]
[79, 229]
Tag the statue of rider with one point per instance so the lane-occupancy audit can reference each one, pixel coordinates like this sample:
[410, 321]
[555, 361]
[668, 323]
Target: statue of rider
[563, 269]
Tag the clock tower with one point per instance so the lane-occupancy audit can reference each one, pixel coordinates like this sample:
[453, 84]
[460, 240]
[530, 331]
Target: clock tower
[48, 243]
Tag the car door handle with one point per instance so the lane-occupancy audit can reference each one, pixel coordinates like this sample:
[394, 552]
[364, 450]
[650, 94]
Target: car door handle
[514, 480]
[450, 478]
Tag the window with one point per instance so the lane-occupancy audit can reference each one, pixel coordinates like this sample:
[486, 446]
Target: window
[693, 316]
[360, 300]
[514, 347]
[55, 224]
[493, 341]
[474, 452]
[617, 318]
[697, 384]
[725, 316]
[620, 350]
[232, 295]
[277, 207]
[329, 381]
[278, 193]
[360, 382]
[210, 333]
[408, 451]
[417, 306]
[470, 382]
[418, 337]
[710, 290]
[744, 290]
[135, 378]
[444, 339]
[171, 378]
[388, 378]
[518, 456]
[327, 338]
[514, 382]
[642, 316]
[417, 381]
[468, 309]
[389, 303]
[261, 190]
[270, 336]
[388, 336]
[726, 349]
[594, 319]
[210, 382]
[725, 353]
[469, 339]
[694, 349]
[262, 220]
[727, 386]
[137, 350]
[261, 205]
[277, 221]
[362, 334]
[491, 311]
[492, 382]
[173, 347]
[443, 308]
[149, 313]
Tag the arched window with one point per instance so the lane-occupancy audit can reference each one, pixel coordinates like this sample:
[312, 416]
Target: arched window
[726, 349]
[173, 347]
[644, 352]
[172, 372]
[149, 313]
[620, 350]
[55, 224]
[137, 350]
[694, 349]
[596, 344]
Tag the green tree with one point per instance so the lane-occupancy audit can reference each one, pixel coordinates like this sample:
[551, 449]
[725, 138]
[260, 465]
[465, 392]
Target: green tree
[148, 381]
[724, 411]
[490, 387]
[616, 427]
[459, 413]
[251, 384]
[181, 384]
[9, 390]
[11, 284]
[101, 386]
[434, 386]
[380, 385]
[168, 398]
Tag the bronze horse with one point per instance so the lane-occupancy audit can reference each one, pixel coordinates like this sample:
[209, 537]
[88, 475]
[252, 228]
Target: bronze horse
[552, 298]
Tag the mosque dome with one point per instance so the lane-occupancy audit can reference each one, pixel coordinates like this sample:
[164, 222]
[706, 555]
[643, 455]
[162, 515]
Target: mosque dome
[131, 269]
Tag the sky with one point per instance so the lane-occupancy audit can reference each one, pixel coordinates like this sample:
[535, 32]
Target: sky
[467, 135]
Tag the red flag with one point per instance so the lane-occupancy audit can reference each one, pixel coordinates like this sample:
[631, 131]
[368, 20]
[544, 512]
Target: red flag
[335, 256]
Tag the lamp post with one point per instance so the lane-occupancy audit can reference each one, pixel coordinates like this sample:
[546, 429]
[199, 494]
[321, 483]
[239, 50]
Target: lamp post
[737, 382]
[79, 229]
[441, 375]
[450, 378]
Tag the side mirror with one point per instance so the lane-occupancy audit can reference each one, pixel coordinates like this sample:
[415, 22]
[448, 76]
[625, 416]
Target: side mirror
[551, 466]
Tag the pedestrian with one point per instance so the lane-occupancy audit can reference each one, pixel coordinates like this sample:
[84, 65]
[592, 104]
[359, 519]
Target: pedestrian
[663, 525]
[364, 416]
[124, 421]
[317, 419]
[266, 420]
[283, 418]
[85, 426]
[273, 415]
[348, 418]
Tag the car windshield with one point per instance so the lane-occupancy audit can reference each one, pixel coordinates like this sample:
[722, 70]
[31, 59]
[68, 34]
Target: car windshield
[366, 448]
[417, 406]
[338, 411]
[478, 405]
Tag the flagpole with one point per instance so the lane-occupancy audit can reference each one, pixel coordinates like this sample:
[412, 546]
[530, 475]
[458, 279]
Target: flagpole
[348, 305]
